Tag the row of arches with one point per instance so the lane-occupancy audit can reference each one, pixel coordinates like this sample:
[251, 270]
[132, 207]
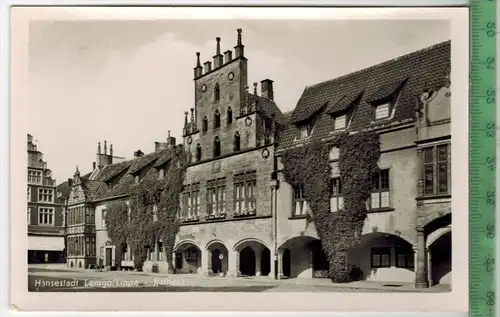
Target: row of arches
[217, 120]
[379, 257]
[217, 146]
[252, 258]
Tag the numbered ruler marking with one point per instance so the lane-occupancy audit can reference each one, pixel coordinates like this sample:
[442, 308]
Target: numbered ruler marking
[482, 158]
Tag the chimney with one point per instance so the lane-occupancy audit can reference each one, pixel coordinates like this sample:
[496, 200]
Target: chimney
[70, 181]
[170, 140]
[255, 89]
[138, 153]
[228, 56]
[105, 148]
[160, 146]
[98, 155]
[111, 150]
[239, 48]
[93, 166]
[198, 71]
[266, 88]
[208, 67]
[192, 115]
[218, 57]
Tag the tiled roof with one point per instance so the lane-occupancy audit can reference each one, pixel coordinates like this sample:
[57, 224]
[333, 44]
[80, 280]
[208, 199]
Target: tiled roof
[267, 107]
[307, 111]
[426, 68]
[89, 187]
[386, 90]
[164, 158]
[113, 170]
[344, 102]
[126, 179]
[143, 161]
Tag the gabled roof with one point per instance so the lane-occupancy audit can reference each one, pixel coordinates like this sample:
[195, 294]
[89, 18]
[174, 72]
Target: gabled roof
[426, 68]
[125, 178]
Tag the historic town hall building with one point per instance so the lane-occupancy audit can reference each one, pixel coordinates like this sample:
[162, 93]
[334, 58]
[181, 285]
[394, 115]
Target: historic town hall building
[239, 216]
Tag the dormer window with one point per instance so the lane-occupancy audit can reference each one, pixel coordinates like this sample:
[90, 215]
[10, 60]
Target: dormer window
[198, 152]
[161, 173]
[216, 119]
[305, 131]
[216, 93]
[229, 115]
[217, 147]
[385, 98]
[340, 122]
[382, 111]
[204, 124]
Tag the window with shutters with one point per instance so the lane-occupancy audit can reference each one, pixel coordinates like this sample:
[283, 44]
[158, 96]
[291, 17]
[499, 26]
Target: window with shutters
[382, 111]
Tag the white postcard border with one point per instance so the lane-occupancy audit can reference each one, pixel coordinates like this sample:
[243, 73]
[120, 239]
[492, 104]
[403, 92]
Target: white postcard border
[454, 301]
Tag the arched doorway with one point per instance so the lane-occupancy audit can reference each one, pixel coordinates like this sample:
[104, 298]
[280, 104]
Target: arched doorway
[440, 260]
[265, 261]
[218, 258]
[287, 263]
[382, 257]
[297, 257]
[254, 257]
[187, 258]
[247, 262]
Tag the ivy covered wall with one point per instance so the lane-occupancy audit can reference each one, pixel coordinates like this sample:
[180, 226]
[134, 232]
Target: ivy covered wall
[151, 213]
[309, 166]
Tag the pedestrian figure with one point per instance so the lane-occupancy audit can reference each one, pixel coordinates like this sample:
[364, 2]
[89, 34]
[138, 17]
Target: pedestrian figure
[101, 264]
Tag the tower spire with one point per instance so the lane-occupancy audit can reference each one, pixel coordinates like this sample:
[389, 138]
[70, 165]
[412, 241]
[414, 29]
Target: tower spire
[239, 48]
[239, 36]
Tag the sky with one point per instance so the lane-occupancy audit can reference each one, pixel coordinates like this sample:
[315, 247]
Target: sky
[130, 82]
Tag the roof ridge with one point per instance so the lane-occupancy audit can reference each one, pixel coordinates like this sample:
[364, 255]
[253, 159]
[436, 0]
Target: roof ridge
[404, 56]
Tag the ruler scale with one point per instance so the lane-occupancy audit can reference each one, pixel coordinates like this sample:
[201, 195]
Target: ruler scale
[482, 159]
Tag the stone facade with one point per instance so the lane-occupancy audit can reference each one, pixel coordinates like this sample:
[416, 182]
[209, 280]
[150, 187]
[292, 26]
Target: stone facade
[226, 113]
